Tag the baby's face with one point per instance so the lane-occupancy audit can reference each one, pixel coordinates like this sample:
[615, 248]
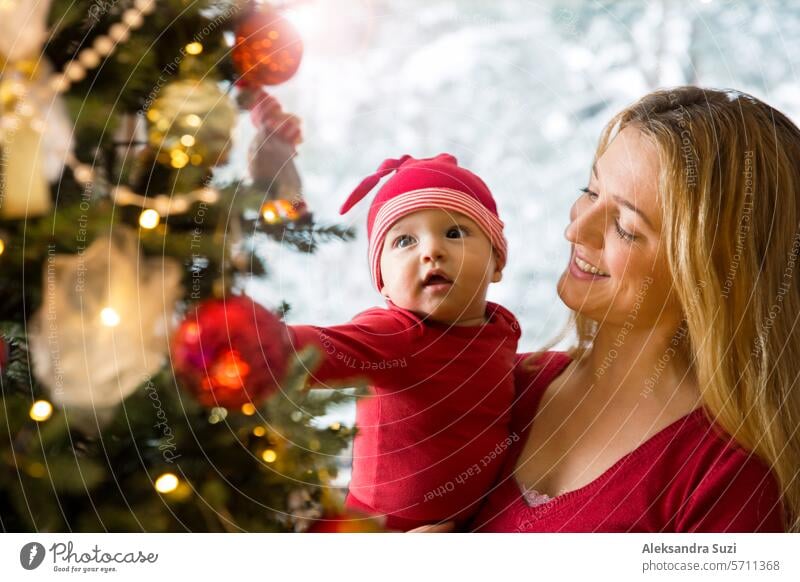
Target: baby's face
[438, 264]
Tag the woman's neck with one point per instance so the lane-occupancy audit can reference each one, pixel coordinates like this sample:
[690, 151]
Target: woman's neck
[648, 363]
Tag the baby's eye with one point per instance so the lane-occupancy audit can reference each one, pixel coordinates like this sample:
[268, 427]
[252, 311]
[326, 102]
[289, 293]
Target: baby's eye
[402, 241]
[457, 232]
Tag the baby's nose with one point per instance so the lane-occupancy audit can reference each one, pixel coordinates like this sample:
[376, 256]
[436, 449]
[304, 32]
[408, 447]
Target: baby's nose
[432, 250]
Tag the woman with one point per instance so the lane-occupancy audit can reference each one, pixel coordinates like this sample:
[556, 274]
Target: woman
[678, 408]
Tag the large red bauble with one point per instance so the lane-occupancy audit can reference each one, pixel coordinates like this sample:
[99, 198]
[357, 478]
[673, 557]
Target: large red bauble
[268, 48]
[228, 352]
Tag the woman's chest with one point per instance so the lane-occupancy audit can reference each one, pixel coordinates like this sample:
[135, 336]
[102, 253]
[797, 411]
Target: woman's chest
[573, 442]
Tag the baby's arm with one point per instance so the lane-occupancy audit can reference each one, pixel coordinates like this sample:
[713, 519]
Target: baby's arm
[370, 347]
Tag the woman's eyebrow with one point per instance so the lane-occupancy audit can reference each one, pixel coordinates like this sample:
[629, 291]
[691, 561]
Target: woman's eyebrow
[626, 203]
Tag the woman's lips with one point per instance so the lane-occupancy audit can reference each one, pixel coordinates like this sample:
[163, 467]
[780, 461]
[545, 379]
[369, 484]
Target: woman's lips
[576, 272]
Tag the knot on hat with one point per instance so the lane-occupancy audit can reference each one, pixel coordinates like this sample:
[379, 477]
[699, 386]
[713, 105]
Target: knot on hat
[387, 167]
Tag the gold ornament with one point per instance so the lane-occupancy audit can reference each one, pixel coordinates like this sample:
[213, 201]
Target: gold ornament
[191, 123]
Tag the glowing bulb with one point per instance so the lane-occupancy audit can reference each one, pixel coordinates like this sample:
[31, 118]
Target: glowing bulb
[187, 140]
[248, 409]
[179, 159]
[166, 483]
[269, 455]
[41, 410]
[193, 120]
[2, 246]
[194, 48]
[110, 317]
[259, 431]
[149, 218]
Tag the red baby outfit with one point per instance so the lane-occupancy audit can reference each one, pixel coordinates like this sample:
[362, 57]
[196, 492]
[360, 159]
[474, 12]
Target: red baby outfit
[433, 431]
[689, 477]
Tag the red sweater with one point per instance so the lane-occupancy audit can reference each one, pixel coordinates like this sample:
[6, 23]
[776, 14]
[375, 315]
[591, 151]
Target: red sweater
[433, 431]
[689, 477]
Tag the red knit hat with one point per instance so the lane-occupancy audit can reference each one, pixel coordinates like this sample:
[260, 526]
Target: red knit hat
[437, 182]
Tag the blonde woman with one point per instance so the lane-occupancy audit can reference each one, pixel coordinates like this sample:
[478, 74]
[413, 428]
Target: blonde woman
[678, 408]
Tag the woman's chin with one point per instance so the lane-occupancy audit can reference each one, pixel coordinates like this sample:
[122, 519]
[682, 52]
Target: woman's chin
[577, 301]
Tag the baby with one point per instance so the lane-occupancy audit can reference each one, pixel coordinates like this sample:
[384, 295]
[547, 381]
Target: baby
[439, 359]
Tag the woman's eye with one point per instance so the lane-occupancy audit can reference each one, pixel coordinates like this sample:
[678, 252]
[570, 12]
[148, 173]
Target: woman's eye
[589, 193]
[457, 232]
[403, 241]
[623, 234]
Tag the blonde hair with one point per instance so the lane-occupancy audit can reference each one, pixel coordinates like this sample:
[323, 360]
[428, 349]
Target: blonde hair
[730, 192]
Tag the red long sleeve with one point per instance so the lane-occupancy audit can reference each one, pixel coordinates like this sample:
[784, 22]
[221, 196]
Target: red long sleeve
[434, 429]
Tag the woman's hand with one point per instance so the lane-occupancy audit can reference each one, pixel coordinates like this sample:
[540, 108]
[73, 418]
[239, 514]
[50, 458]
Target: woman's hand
[448, 526]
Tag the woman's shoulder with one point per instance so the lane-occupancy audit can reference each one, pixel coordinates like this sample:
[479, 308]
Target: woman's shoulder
[723, 486]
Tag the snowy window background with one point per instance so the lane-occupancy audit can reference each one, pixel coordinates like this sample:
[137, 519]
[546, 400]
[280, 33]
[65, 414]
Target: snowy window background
[519, 91]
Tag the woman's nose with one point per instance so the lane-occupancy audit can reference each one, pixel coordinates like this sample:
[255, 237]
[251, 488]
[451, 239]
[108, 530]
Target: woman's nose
[587, 226]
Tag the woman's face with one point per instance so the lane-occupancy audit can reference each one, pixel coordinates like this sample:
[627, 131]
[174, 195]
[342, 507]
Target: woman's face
[615, 227]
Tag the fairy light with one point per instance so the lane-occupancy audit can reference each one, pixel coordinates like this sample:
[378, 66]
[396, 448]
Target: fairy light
[166, 483]
[2, 246]
[149, 219]
[187, 140]
[269, 455]
[41, 410]
[109, 317]
[248, 409]
[194, 48]
[269, 214]
[178, 159]
[259, 431]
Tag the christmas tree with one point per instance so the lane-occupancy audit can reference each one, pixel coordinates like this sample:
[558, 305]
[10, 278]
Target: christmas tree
[136, 394]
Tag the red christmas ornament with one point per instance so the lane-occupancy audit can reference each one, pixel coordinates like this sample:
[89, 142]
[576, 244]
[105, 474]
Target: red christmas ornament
[268, 48]
[230, 352]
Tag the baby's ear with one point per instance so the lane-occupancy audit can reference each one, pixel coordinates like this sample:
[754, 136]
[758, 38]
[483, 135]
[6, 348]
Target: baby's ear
[498, 275]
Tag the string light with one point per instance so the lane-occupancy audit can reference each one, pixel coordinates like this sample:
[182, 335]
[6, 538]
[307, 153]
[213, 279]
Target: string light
[109, 317]
[248, 409]
[269, 455]
[218, 414]
[36, 470]
[2, 246]
[41, 410]
[193, 120]
[166, 483]
[149, 219]
[259, 431]
[194, 48]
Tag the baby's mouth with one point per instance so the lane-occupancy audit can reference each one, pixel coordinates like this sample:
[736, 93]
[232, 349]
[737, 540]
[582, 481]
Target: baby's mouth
[436, 278]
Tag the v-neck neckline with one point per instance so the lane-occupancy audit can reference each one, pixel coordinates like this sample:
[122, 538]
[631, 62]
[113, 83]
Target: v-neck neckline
[556, 500]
